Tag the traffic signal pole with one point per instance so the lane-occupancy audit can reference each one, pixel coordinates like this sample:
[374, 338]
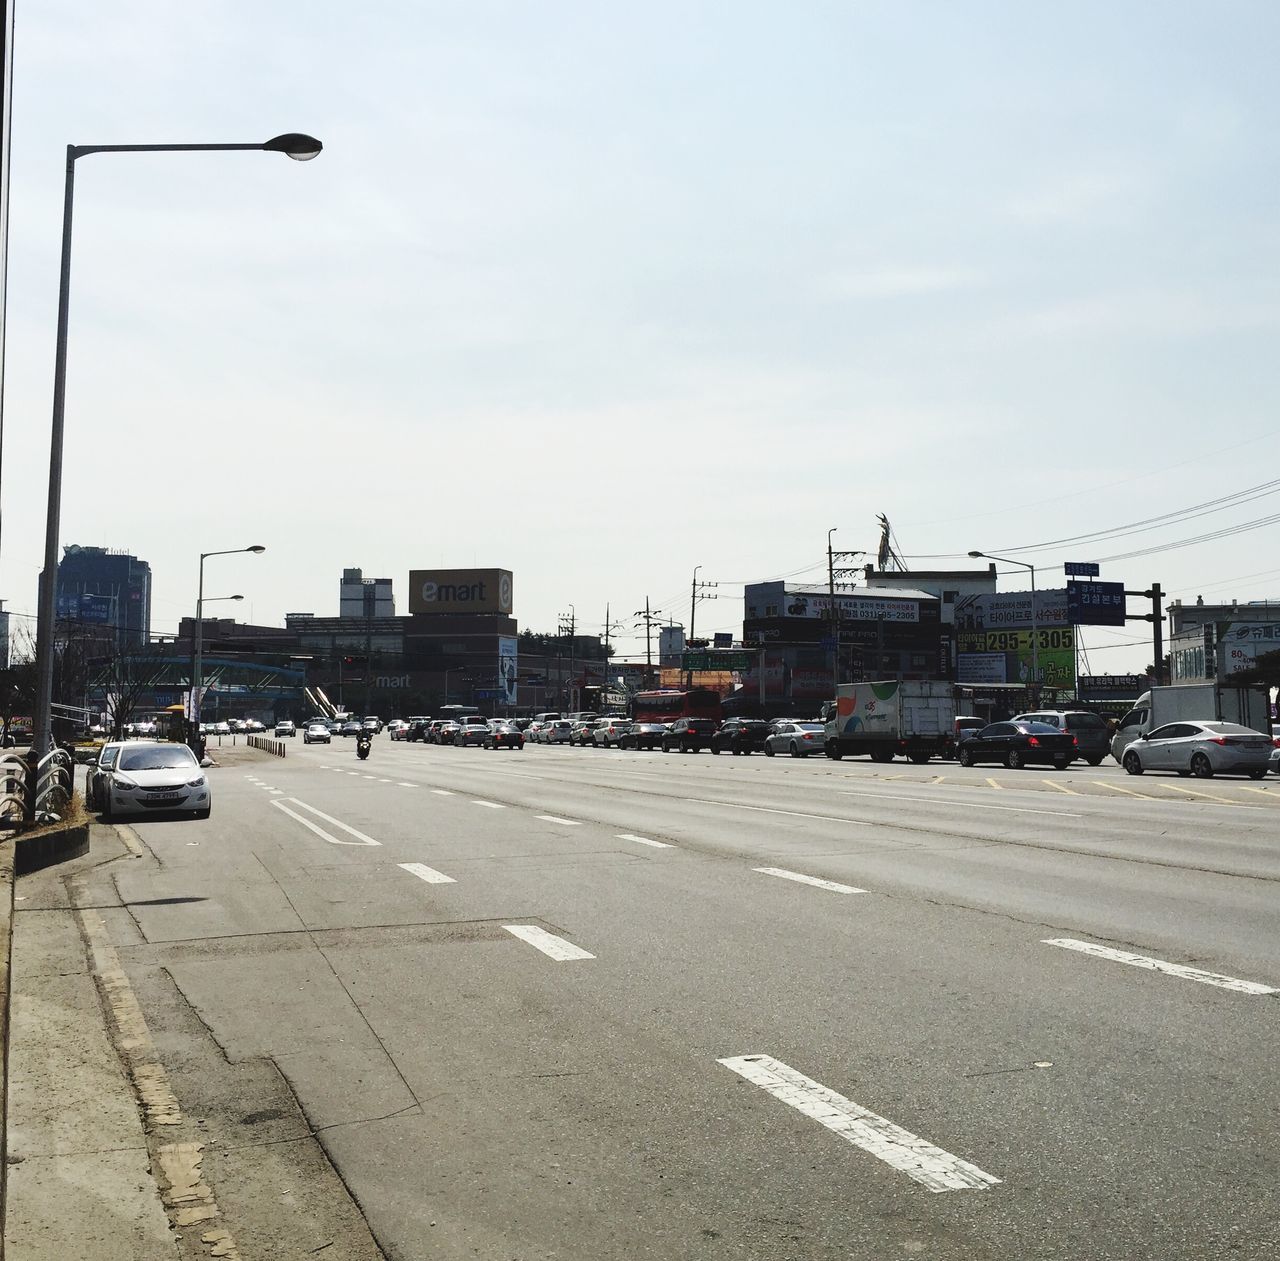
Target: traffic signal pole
[1156, 617]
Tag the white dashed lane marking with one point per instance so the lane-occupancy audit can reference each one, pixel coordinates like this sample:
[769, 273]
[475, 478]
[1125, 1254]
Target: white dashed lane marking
[643, 840]
[491, 805]
[442, 792]
[429, 874]
[555, 818]
[803, 879]
[1160, 965]
[899, 1148]
[552, 946]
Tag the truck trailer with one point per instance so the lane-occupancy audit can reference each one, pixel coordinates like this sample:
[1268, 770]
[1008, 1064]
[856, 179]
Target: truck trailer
[912, 718]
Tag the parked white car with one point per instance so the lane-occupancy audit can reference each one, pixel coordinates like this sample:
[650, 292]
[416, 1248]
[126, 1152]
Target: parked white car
[1202, 749]
[150, 776]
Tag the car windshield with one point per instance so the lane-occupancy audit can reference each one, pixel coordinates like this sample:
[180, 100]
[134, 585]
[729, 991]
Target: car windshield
[809, 726]
[1230, 729]
[1038, 728]
[1085, 722]
[108, 756]
[175, 757]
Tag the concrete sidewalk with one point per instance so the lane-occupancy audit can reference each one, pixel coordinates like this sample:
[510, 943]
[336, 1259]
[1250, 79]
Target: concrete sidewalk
[80, 1181]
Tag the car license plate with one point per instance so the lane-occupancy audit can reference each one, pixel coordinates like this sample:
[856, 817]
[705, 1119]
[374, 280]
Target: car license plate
[163, 796]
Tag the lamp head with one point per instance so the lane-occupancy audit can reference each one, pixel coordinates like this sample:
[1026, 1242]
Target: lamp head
[975, 555]
[257, 549]
[295, 145]
[236, 597]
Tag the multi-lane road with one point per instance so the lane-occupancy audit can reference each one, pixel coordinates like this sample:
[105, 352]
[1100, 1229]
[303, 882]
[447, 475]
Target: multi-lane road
[591, 1004]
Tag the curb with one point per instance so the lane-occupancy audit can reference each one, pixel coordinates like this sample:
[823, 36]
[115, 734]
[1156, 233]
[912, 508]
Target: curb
[7, 857]
[35, 852]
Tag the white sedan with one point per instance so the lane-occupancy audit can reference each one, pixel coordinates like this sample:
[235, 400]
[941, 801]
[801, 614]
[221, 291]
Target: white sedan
[155, 776]
[796, 738]
[316, 733]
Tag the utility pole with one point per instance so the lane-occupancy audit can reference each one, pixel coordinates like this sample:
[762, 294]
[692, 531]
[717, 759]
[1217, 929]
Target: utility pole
[569, 623]
[1156, 617]
[701, 591]
[832, 574]
[648, 616]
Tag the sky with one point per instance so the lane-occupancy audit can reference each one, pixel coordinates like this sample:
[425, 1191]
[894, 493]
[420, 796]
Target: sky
[599, 293]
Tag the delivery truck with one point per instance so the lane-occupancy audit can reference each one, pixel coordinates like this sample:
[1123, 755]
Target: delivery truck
[883, 720]
[1204, 702]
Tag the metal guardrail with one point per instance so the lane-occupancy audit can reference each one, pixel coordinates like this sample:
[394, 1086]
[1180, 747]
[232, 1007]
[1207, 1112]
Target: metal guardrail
[13, 789]
[55, 780]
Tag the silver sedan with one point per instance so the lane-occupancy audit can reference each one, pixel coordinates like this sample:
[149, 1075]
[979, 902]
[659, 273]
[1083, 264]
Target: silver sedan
[799, 739]
[1202, 749]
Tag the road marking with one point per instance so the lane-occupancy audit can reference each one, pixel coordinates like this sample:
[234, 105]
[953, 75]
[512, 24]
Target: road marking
[1160, 965]
[993, 783]
[803, 879]
[1247, 789]
[1102, 783]
[368, 777]
[968, 805]
[795, 814]
[899, 1148]
[555, 818]
[491, 805]
[384, 781]
[643, 840]
[552, 946]
[1053, 783]
[402, 784]
[442, 792]
[361, 839]
[429, 874]
[1224, 801]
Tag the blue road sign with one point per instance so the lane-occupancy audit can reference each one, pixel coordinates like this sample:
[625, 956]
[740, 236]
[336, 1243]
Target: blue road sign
[1082, 569]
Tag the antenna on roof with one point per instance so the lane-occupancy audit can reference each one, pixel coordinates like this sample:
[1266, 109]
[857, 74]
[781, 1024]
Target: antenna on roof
[887, 558]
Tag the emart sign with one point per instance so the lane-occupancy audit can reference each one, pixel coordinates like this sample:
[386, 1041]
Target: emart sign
[460, 591]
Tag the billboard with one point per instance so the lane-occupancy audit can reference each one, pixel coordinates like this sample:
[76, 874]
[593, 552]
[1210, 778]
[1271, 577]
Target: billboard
[508, 646]
[1054, 653]
[85, 608]
[1010, 610]
[854, 608]
[1240, 644]
[460, 591]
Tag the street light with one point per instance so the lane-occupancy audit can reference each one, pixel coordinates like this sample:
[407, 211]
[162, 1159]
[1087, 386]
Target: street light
[197, 666]
[1035, 630]
[293, 145]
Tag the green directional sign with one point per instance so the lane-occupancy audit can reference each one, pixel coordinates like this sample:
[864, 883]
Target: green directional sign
[721, 660]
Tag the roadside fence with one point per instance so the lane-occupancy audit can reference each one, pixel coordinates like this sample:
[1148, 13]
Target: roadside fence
[275, 747]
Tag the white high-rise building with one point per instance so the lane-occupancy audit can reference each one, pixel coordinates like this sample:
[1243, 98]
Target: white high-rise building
[365, 597]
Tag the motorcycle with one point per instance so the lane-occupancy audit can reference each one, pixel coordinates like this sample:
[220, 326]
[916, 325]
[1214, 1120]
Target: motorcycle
[363, 743]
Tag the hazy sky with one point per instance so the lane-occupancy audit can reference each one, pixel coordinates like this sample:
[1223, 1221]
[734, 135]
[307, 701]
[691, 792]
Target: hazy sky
[600, 292]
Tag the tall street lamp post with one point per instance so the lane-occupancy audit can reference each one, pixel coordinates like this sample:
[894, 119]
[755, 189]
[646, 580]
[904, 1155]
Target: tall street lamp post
[1035, 629]
[294, 145]
[197, 665]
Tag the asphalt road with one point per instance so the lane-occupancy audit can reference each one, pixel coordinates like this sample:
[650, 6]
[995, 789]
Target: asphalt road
[592, 1004]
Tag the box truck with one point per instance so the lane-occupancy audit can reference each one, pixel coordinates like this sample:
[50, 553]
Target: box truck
[891, 717]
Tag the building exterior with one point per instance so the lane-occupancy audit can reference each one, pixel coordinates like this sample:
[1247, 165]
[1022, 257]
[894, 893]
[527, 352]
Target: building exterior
[359, 596]
[106, 589]
[1215, 641]
[950, 586]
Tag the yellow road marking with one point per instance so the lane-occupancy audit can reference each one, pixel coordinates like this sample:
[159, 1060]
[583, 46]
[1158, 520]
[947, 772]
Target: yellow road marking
[937, 779]
[1191, 792]
[992, 782]
[1102, 783]
[1247, 789]
[1053, 783]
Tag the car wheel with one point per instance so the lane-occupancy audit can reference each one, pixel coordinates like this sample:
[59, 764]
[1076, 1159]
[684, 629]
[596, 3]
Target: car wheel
[1258, 773]
[833, 752]
[1014, 760]
[793, 749]
[715, 749]
[1201, 767]
[768, 750]
[964, 757]
[1094, 761]
[1131, 764]
[1061, 763]
[666, 748]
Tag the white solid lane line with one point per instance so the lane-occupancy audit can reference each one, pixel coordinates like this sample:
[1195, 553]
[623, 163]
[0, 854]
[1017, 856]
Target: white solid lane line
[429, 874]
[927, 1164]
[794, 814]
[361, 839]
[552, 946]
[803, 879]
[643, 840]
[491, 805]
[970, 805]
[555, 818]
[1160, 965]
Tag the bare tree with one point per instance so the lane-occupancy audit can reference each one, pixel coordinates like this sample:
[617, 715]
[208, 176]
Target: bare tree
[125, 678]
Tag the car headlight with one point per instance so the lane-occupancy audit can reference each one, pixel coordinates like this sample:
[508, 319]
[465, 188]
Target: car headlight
[123, 781]
[196, 783]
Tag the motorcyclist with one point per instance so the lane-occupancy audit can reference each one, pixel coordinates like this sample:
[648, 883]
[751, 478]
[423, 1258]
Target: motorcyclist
[364, 742]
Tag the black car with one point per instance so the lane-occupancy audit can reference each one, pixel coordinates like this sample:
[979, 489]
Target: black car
[1018, 744]
[417, 729]
[740, 735]
[688, 735]
[504, 735]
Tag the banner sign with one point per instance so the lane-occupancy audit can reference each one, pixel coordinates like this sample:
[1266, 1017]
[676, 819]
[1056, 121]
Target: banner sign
[717, 660]
[1082, 569]
[853, 608]
[990, 610]
[85, 608]
[1123, 684]
[1047, 640]
[1240, 644]
[508, 647]
[1095, 603]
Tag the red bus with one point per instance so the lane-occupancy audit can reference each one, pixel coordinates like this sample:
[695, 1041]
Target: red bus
[698, 702]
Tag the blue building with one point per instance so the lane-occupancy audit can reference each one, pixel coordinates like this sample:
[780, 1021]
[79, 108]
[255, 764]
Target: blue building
[108, 589]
